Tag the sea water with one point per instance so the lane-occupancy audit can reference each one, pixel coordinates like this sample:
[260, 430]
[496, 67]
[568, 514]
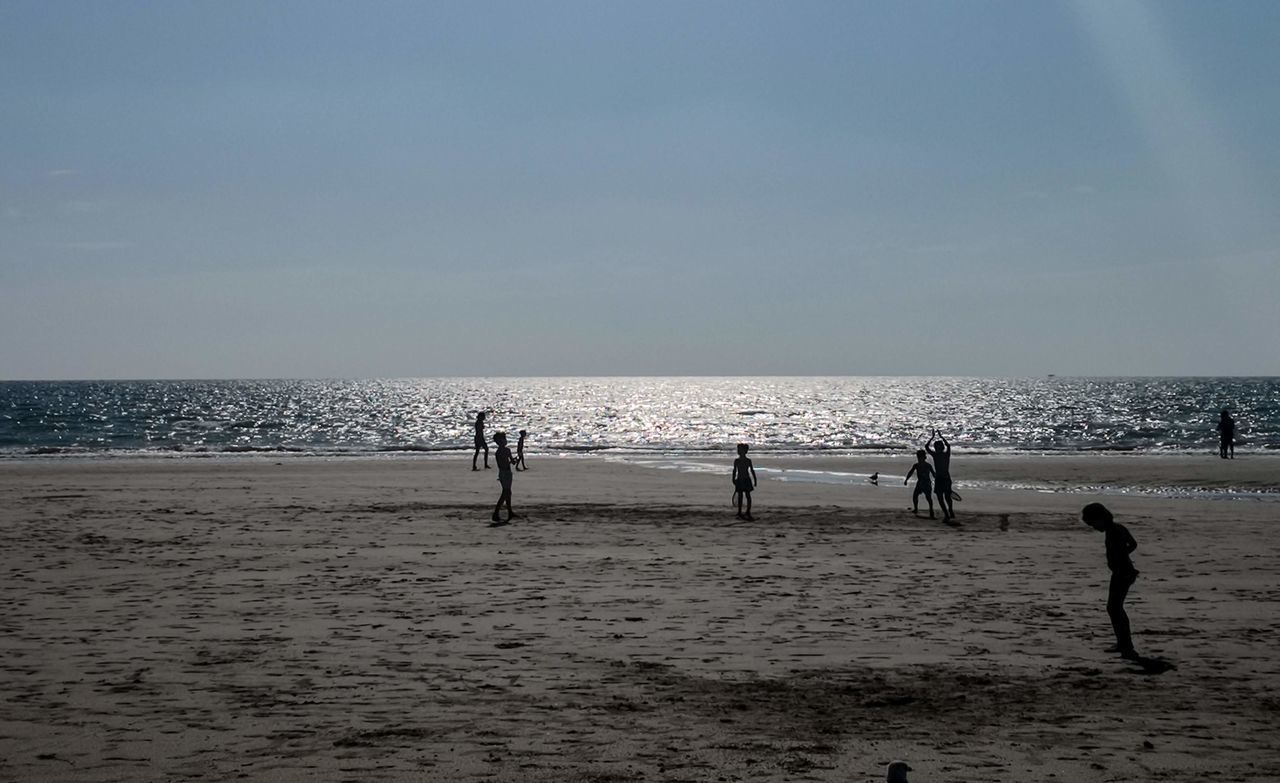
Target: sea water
[667, 416]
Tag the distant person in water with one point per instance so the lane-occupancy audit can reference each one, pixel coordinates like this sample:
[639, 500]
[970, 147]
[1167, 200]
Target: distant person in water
[924, 483]
[480, 443]
[744, 480]
[941, 453]
[504, 476]
[1227, 435]
[1120, 545]
[520, 451]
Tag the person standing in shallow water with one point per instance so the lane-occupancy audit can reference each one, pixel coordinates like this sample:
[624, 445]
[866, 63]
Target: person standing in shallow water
[480, 443]
[941, 453]
[1120, 544]
[520, 451]
[744, 480]
[1226, 435]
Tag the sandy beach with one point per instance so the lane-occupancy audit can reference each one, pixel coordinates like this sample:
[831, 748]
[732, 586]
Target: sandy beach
[308, 619]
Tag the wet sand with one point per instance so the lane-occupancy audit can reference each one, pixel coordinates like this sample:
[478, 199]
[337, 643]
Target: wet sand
[361, 620]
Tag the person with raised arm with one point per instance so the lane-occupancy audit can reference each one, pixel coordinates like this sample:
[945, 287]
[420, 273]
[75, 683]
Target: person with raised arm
[940, 450]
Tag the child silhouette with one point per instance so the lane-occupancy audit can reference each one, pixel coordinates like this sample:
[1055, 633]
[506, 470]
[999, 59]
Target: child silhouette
[504, 476]
[744, 480]
[1120, 544]
[924, 481]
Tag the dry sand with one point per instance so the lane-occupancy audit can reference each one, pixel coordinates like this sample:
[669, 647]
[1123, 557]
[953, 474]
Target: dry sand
[360, 620]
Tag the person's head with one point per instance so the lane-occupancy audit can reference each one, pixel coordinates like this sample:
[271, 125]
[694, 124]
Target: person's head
[1096, 516]
[921, 456]
[742, 449]
[897, 772]
[523, 433]
[1226, 413]
[500, 438]
[480, 416]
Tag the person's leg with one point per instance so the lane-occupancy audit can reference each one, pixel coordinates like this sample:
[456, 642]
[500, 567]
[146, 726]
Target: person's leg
[1118, 591]
[929, 498]
[748, 514]
[486, 456]
[474, 457]
[737, 499]
[506, 494]
[915, 501]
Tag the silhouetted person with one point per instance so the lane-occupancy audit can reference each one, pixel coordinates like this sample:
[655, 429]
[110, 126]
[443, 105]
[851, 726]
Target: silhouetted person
[924, 483]
[744, 480]
[897, 772]
[480, 443]
[504, 475]
[1120, 545]
[1227, 434]
[941, 453]
[520, 451]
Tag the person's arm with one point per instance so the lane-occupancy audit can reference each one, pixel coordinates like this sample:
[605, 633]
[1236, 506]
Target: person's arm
[753, 473]
[909, 472]
[946, 447]
[735, 472]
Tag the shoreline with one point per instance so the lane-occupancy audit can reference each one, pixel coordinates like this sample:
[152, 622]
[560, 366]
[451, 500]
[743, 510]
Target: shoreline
[1249, 477]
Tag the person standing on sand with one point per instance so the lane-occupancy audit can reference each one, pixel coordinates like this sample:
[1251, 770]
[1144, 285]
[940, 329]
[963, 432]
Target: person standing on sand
[480, 443]
[520, 451]
[941, 453]
[504, 476]
[924, 486]
[1120, 544]
[1227, 435]
[744, 480]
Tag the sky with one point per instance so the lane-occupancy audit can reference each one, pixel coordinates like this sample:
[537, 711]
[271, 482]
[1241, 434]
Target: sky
[399, 189]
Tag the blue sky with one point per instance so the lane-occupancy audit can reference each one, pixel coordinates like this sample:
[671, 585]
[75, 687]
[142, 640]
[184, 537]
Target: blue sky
[311, 189]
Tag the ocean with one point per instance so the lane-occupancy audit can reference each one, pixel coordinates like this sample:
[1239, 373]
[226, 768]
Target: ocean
[686, 415]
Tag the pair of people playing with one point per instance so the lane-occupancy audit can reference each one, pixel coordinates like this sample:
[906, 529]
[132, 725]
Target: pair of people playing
[933, 479]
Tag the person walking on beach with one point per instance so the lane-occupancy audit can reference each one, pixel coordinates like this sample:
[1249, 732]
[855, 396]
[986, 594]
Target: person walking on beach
[480, 443]
[1227, 435]
[744, 480]
[1120, 545]
[924, 482]
[941, 453]
[520, 451]
[504, 476]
